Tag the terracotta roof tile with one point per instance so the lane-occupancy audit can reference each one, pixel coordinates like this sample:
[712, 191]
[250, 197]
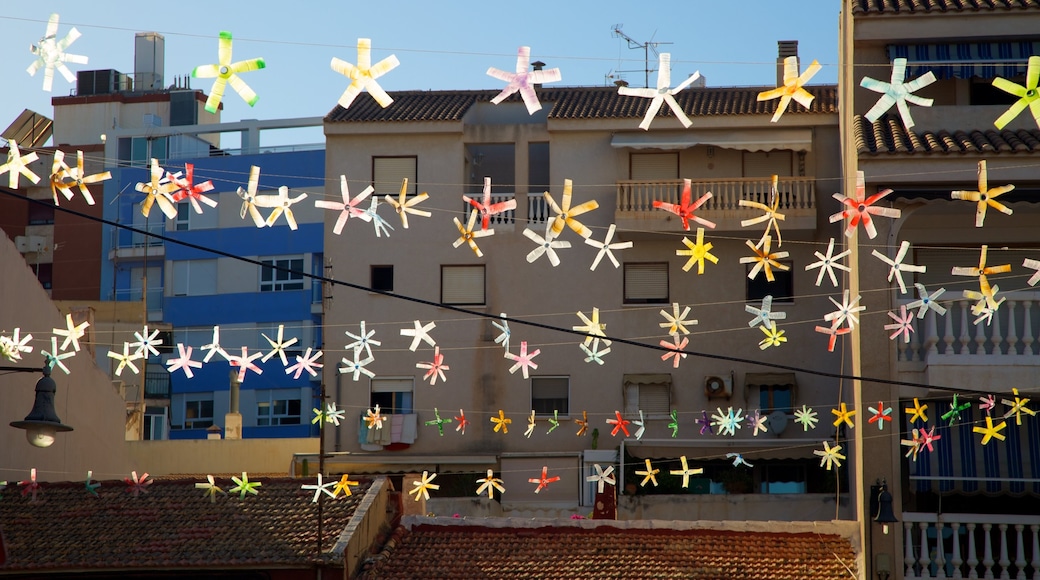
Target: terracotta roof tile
[170, 526]
[888, 136]
[579, 103]
[471, 552]
[865, 7]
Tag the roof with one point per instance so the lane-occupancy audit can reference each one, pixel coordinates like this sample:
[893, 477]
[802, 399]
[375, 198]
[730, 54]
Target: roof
[170, 525]
[863, 7]
[887, 135]
[599, 549]
[579, 103]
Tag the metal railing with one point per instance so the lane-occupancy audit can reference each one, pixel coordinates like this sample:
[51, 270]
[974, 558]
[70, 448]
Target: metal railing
[123, 239]
[157, 385]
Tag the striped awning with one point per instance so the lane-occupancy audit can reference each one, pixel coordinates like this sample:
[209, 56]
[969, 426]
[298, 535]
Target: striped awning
[964, 60]
[961, 464]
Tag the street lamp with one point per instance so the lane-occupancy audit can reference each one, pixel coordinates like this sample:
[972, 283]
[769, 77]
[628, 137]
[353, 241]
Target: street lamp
[42, 423]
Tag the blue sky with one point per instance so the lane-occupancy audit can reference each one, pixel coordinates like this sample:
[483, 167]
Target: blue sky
[441, 45]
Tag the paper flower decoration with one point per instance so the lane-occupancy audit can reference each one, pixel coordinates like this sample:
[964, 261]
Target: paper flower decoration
[125, 360]
[757, 423]
[593, 329]
[641, 423]
[546, 245]
[320, 488]
[880, 415]
[843, 415]
[186, 188]
[90, 485]
[1018, 406]
[685, 208]
[503, 329]
[404, 205]
[64, 178]
[50, 54]
[356, 366]
[373, 418]
[243, 486]
[72, 333]
[225, 71]
[434, 368]
[676, 349]
[764, 259]
[698, 252]
[897, 267]
[770, 215]
[343, 486]
[530, 425]
[249, 201]
[833, 332]
[282, 204]
[830, 456]
[981, 272]
[566, 215]
[904, 324]
[278, 346]
[461, 422]
[438, 422]
[954, 414]
[595, 354]
[727, 423]
[13, 346]
[764, 316]
[987, 403]
[606, 248]
[421, 333]
[523, 81]
[986, 196]
[738, 460]
[467, 234]
[806, 417]
[17, 165]
[54, 357]
[214, 347]
[619, 423]
[926, 302]
[379, 224]
[554, 421]
[363, 76]
[860, 208]
[523, 360]
[898, 93]
[245, 363]
[685, 472]
[583, 424]
[990, 430]
[674, 423]
[913, 444]
[145, 344]
[501, 422]
[846, 311]
[704, 421]
[348, 208]
[662, 94]
[308, 362]
[137, 485]
[210, 487]
[827, 262]
[489, 484]
[774, 337]
[329, 415]
[1028, 95]
[1032, 265]
[792, 87]
[676, 322]
[157, 191]
[918, 412]
[363, 340]
[30, 486]
[649, 474]
[601, 477]
[543, 481]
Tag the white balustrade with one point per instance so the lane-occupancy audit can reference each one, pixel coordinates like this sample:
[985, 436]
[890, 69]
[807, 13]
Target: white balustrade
[796, 193]
[959, 335]
[537, 209]
[505, 218]
[1010, 546]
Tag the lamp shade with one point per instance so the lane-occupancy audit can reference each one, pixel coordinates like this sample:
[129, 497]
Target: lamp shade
[42, 423]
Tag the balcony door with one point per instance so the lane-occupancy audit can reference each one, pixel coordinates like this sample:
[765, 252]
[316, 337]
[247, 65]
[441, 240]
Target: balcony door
[762, 165]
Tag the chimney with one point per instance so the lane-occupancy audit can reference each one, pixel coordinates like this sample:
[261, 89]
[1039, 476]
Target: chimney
[149, 61]
[538, 65]
[785, 48]
[233, 419]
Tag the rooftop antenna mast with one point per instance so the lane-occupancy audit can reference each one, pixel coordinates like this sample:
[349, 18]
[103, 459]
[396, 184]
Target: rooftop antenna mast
[647, 46]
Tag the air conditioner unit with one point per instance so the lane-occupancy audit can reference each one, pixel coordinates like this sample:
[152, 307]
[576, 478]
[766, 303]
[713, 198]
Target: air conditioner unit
[718, 386]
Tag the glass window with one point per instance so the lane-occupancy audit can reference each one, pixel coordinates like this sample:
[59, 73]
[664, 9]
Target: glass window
[646, 283]
[41, 213]
[462, 284]
[278, 411]
[394, 396]
[198, 411]
[281, 274]
[549, 394]
[194, 277]
[781, 288]
[382, 278]
[775, 398]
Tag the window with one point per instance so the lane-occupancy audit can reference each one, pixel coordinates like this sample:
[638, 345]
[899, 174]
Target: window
[189, 219]
[781, 288]
[650, 393]
[388, 172]
[550, 394]
[41, 213]
[646, 283]
[382, 278]
[654, 166]
[277, 408]
[775, 398]
[783, 477]
[198, 411]
[194, 277]
[154, 423]
[394, 396]
[287, 276]
[462, 284]
[45, 274]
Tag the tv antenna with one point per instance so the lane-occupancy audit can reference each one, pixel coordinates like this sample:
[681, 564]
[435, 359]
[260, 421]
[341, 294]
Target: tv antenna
[650, 45]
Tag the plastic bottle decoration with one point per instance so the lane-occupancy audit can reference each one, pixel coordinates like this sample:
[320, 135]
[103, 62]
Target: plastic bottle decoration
[363, 76]
[225, 71]
[897, 92]
[523, 80]
[50, 54]
[792, 87]
[664, 93]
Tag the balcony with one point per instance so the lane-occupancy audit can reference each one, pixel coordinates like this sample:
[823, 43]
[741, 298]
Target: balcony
[970, 546]
[503, 221]
[635, 203]
[129, 245]
[157, 385]
[953, 351]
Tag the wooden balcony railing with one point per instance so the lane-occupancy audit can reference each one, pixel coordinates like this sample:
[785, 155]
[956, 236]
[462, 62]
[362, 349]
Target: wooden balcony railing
[971, 546]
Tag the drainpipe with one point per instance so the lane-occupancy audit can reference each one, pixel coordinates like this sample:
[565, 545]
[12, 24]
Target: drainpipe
[233, 420]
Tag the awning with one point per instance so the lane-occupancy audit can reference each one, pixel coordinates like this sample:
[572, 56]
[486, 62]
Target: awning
[964, 60]
[744, 139]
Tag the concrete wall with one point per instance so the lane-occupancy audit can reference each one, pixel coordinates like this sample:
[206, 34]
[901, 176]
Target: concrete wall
[217, 455]
[752, 507]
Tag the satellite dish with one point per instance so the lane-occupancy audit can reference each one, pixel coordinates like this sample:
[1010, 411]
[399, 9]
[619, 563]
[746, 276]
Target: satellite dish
[777, 422]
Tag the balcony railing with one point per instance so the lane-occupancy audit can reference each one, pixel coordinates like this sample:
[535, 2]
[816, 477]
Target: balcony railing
[506, 218]
[797, 200]
[128, 239]
[157, 385]
[537, 209]
[971, 546]
[1014, 330]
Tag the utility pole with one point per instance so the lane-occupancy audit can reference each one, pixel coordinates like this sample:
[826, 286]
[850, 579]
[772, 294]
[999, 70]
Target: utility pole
[646, 46]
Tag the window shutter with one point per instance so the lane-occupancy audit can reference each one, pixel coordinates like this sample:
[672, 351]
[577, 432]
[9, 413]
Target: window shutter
[655, 166]
[180, 278]
[392, 385]
[631, 399]
[388, 172]
[462, 284]
[654, 399]
[646, 282]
